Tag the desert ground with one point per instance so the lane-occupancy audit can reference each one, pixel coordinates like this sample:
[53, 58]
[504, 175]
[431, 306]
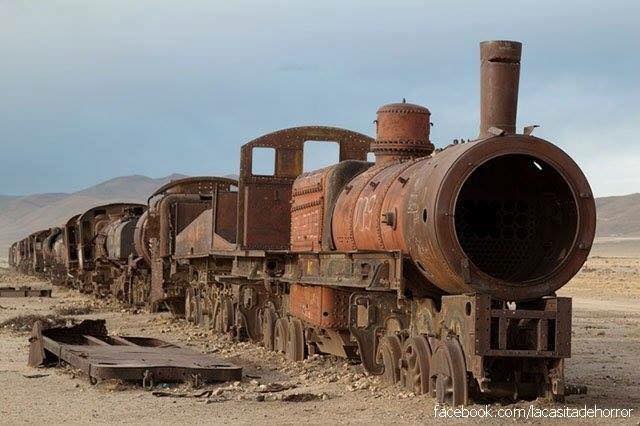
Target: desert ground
[323, 390]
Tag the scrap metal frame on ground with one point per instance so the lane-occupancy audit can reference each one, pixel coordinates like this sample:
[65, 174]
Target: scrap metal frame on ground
[88, 347]
[24, 291]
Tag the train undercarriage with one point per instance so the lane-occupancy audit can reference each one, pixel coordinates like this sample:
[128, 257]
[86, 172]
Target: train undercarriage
[358, 306]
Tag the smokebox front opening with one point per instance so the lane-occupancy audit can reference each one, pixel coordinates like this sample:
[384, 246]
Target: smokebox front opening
[516, 218]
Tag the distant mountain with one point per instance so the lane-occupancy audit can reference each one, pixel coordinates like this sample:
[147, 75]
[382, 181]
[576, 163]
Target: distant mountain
[124, 186]
[619, 216]
[14, 208]
[22, 215]
[5, 200]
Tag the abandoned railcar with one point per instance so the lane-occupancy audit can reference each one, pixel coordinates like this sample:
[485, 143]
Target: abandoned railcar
[98, 245]
[436, 268]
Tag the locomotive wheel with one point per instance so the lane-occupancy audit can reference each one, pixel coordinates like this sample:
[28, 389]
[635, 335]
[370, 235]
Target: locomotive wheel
[198, 316]
[388, 354]
[208, 310]
[268, 320]
[241, 330]
[140, 291]
[281, 335]
[224, 318]
[414, 365]
[295, 342]
[448, 373]
[214, 316]
[190, 305]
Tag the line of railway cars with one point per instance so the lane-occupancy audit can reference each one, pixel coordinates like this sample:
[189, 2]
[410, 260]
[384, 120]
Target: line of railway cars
[434, 268]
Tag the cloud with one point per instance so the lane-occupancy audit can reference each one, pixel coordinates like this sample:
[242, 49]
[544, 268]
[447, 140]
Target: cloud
[154, 87]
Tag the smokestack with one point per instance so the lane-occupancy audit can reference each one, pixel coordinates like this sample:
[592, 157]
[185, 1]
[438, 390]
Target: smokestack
[499, 77]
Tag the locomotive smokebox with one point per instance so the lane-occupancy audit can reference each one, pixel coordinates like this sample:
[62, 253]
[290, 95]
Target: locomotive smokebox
[511, 216]
[508, 215]
[402, 133]
[500, 75]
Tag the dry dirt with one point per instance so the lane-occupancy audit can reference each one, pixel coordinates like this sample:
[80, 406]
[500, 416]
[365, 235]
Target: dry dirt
[606, 346]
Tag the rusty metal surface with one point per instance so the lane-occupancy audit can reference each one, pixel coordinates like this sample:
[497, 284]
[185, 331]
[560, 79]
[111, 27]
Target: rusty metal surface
[24, 291]
[448, 373]
[321, 306]
[308, 211]
[499, 331]
[367, 211]
[119, 238]
[367, 214]
[500, 340]
[89, 348]
[470, 229]
[499, 75]
[193, 185]
[177, 208]
[312, 203]
[141, 238]
[257, 194]
[177, 215]
[23, 255]
[465, 226]
[50, 256]
[93, 226]
[36, 241]
[148, 227]
[414, 365]
[71, 234]
[197, 239]
[373, 270]
[99, 243]
[402, 133]
[28, 254]
[416, 207]
[224, 213]
[176, 211]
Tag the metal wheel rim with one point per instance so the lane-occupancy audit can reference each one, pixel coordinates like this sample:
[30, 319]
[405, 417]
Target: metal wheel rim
[267, 320]
[295, 347]
[414, 370]
[281, 338]
[448, 373]
[388, 355]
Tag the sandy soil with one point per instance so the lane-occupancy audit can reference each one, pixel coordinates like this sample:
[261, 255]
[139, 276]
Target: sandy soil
[606, 344]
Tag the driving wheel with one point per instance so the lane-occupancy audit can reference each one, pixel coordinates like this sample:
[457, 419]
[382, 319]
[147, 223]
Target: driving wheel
[414, 365]
[268, 321]
[281, 335]
[388, 355]
[224, 318]
[190, 305]
[296, 347]
[448, 373]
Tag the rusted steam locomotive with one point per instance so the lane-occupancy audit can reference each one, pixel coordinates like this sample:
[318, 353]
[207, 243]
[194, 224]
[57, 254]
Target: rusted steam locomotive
[435, 268]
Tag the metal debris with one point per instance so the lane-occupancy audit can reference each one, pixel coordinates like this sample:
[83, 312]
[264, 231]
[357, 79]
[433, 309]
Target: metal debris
[24, 291]
[89, 348]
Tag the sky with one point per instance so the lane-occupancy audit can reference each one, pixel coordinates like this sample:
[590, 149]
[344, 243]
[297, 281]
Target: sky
[94, 90]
